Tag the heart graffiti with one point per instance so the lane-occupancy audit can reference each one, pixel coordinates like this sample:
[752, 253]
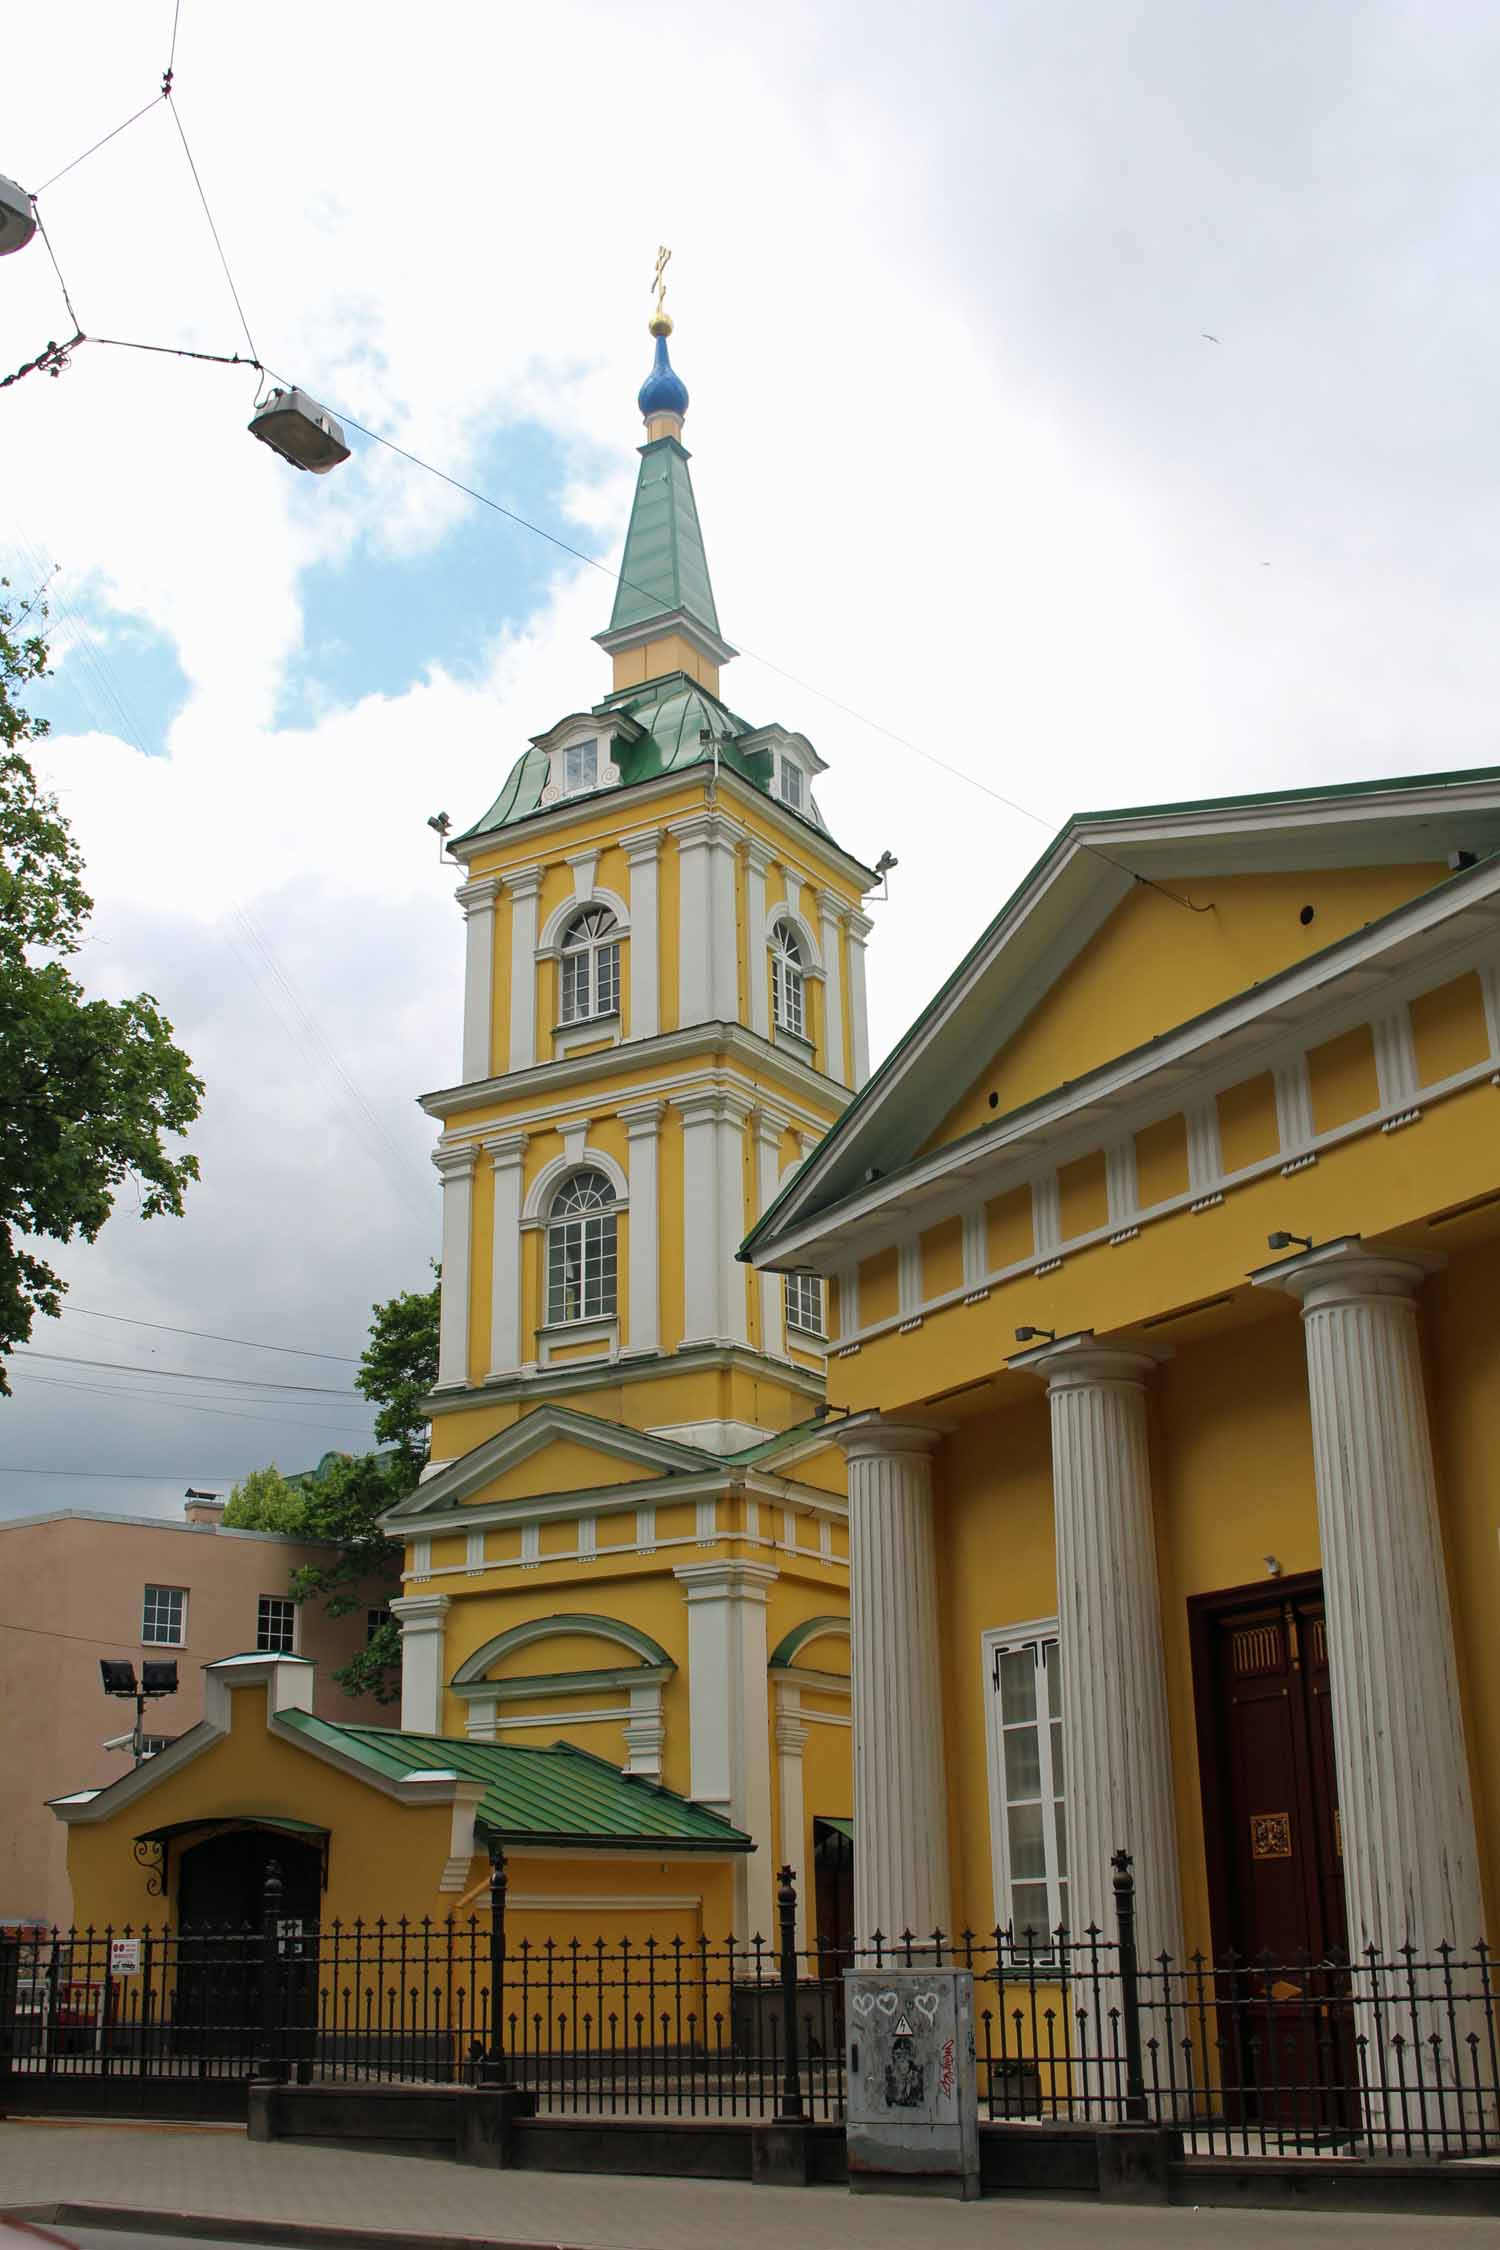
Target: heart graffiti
[864, 2003]
[887, 2003]
[927, 2006]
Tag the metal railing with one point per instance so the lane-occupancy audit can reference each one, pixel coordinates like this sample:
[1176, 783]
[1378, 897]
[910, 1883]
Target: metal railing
[1382, 2054]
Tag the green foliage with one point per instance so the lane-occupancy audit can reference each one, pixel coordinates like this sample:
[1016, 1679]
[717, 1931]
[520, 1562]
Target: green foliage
[264, 1501]
[399, 1368]
[88, 1088]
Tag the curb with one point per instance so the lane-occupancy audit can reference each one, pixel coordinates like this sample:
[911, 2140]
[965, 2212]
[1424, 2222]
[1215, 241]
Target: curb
[293, 2233]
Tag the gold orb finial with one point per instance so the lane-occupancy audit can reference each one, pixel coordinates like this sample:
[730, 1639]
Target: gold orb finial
[660, 323]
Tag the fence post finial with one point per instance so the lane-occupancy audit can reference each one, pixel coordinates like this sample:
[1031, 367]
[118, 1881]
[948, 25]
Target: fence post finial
[791, 2078]
[1130, 1996]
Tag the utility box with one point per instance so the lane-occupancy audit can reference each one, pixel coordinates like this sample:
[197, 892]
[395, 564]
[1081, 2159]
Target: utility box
[913, 2102]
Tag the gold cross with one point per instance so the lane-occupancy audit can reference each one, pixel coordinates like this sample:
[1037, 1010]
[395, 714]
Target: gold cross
[659, 284]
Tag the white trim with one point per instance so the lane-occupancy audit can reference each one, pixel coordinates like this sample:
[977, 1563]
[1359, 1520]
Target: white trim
[992, 1640]
[423, 1622]
[507, 1154]
[523, 884]
[741, 1061]
[642, 1122]
[549, 944]
[456, 1170]
[580, 1158]
[478, 900]
[729, 1714]
[1046, 1215]
[643, 853]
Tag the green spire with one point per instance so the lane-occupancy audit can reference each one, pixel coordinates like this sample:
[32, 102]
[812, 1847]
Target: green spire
[665, 570]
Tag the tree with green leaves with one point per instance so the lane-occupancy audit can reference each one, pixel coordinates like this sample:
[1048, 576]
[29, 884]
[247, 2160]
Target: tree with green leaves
[89, 1089]
[349, 1493]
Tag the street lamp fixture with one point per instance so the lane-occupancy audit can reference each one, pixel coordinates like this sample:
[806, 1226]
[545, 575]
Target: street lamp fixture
[158, 1677]
[1281, 1240]
[1029, 1335]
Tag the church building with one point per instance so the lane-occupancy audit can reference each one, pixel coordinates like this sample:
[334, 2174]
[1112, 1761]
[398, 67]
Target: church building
[624, 1603]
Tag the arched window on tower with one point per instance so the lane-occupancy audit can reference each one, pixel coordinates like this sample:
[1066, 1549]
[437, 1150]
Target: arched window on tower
[788, 986]
[582, 1250]
[590, 958]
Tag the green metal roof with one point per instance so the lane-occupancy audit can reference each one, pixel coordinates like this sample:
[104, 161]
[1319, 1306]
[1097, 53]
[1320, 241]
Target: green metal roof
[558, 1795]
[665, 567]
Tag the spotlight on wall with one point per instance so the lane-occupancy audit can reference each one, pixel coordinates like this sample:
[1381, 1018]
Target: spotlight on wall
[158, 1677]
[1029, 1335]
[1281, 1240]
[1273, 1565]
[440, 824]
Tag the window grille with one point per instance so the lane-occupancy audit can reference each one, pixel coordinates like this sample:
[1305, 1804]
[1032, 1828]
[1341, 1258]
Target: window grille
[164, 1617]
[788, 1000]
[581, 1250]
[276, 1625]
[1029, 1822]
[590, 963]
[580, 767]
[804, 1302]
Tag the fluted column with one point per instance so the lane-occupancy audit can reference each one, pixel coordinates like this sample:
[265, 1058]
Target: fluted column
[900, 1785]
[1406, 1810]
[1117, 1757]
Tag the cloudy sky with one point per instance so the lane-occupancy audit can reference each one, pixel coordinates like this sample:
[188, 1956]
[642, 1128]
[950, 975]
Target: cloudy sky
[1099, 395]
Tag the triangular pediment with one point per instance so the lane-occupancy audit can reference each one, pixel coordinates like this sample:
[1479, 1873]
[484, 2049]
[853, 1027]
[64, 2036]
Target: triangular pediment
[1100, 952]
[549, 1450]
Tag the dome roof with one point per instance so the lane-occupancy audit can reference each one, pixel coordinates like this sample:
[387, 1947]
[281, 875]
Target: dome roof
[664, 391]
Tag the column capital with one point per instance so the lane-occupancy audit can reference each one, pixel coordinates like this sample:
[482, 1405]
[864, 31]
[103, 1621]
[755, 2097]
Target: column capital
[478, 894]
[456, 1163]
[858, 925]
[768, 1127]
[1346, 1273]
[420, 1613]
[644, 845]
[1077, 1362]
[523, 882]
[831, 906]
[642, 1120]
[704, 828]
[867, 1437]
[505, 1149]
[791, 1734]
[718, 1581]
[759, 855]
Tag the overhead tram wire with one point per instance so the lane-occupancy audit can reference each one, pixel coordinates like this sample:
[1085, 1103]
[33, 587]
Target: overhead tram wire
[284, 1418]
[186, 1374]
[208, 1335]
[122, 1476]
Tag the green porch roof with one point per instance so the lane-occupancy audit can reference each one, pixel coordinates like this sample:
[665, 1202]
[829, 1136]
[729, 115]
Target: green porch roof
[665, 566]
[560, 1795]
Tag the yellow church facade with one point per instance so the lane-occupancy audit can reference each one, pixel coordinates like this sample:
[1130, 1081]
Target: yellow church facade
[630, 1544]
[1166, 1361]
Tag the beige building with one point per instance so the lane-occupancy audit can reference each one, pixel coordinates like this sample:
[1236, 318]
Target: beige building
[76, 1587]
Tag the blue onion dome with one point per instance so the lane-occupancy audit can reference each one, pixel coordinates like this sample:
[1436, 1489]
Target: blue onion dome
[664, 391]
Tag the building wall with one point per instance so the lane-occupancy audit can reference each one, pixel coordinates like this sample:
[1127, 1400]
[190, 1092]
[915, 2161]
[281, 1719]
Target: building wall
[72, 1593]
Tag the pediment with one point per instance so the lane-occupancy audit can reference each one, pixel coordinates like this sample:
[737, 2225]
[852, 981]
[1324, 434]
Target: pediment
[549, 1450]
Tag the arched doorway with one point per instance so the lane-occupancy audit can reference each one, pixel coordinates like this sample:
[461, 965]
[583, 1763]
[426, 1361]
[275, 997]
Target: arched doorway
[220, 1996]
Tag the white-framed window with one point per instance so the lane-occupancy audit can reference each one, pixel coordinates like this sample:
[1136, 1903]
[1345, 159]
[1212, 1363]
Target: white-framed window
[276, 1625]
[803, 1293]
[589, 966]
[793, 785]
[788, 986]
[1028, 1821]
[582, 1250]
[164, 1617]
[374, 1620]
[580, 767]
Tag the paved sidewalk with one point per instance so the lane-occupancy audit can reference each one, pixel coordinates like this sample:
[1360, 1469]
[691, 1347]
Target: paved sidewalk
[222, 2175]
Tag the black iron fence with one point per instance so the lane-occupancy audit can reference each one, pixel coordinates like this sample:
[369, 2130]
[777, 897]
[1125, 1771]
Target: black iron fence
[1378, 2054]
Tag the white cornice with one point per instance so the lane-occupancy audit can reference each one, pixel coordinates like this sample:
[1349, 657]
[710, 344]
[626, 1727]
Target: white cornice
[593, 1375]
[665, 1048]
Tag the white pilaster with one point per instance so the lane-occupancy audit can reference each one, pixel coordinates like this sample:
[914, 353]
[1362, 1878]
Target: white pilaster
[524, 887]
[695, 984]
[423, 1672]
[506, 1152]
[642, 1122]
[1117, 1756]
[1411, 1867]
[859, 927]
[1294, 1111]
[791, 1741]
[642, 854]
[734, 1290]
[723, 906]
[758, 861]
[900, 1785]
[831, 919]
[478, 902]
[456, 1170]
[768, 1129]
[729, 1717]
[700, 1216]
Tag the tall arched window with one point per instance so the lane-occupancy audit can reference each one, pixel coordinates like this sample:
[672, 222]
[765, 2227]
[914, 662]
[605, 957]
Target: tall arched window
[582, 1250]
[590, 959]
[788, 992]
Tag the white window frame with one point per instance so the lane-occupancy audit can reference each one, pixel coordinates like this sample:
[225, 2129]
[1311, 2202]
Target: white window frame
[282, 1601]
[150, 1640]
[1037, 1632]
[594, 1217]
[796, 795]
[798, 1300]
[788, 979]
[598, 950]
[580, 788]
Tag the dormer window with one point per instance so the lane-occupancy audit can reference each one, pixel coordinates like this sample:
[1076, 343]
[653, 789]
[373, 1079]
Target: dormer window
[580, 767]
[793, 784]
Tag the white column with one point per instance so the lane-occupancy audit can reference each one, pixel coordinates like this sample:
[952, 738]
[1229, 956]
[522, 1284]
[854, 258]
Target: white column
[758, 861]
[700, 1216]
[478, 902]
[506, 1152]
[642, 1122]
[768, 1129]
[642, 854]
[423, 1671]
[734, 1284]
[831, 912]
[456, 1169]
[726, 934]
[900, 1785]
[791, 1741]
[1406, 1810]
[694, 921]
[524, 887]
[1117, 1755]
[729, 1717]
[645, 1731]
[859, 927]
